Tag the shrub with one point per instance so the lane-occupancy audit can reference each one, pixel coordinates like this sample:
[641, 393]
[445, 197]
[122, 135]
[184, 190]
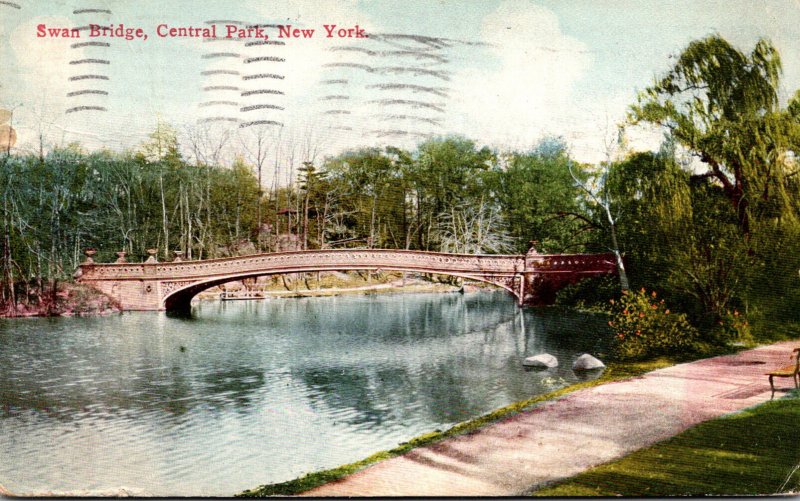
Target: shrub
[732, 327]
[589, 294]
[644, 327]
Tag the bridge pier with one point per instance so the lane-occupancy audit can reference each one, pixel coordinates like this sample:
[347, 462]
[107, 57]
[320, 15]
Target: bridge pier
[131, 294]
[538, 289]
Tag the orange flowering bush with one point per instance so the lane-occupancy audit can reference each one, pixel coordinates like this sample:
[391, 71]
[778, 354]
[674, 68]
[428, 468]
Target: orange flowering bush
[732, 326]
[644, 327]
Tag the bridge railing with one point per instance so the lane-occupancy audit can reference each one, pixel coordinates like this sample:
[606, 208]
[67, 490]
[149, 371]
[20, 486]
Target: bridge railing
[351, 259]
[572, 262]
[333, 259]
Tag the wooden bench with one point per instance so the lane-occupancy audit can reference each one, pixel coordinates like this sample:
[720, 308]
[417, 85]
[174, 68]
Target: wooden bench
[792, 371]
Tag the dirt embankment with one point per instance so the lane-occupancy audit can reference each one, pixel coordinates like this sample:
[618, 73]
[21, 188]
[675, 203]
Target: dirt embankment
[67, 300]
[334, 283]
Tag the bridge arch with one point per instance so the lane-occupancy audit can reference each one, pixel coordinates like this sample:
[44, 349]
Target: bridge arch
[179, 299]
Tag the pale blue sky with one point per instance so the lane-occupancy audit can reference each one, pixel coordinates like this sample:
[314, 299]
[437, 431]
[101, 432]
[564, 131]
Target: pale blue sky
[568, 68]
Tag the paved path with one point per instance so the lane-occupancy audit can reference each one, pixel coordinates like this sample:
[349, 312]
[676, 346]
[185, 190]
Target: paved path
[561, 438]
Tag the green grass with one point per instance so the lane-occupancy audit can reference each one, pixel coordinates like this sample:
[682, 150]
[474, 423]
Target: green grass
[614, 372]
[753, 452]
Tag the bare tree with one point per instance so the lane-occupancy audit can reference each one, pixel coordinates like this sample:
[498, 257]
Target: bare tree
[257, 142]
[8, 297]
[595, 190]
[208, 143]
[471, 229]
[42, 119]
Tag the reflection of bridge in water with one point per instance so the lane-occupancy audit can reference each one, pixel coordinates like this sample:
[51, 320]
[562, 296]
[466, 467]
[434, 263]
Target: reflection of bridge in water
[532, 278]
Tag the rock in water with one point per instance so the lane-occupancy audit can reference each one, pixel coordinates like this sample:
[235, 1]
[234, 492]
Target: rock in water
[543, 360]
[587, 362]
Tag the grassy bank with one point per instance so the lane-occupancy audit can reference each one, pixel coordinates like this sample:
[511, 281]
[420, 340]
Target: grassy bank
[753, 452]
[614, 372]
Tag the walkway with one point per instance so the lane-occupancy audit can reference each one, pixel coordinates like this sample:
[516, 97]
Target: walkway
[561, 438]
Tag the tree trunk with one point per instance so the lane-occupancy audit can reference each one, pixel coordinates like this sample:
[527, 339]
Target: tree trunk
[623, 276]
[9, 298]
[164, 213]
[305, 221]
[372, 222]
[258, 211]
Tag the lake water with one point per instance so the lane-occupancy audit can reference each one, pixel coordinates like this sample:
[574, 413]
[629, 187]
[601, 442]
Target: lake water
[247, 393]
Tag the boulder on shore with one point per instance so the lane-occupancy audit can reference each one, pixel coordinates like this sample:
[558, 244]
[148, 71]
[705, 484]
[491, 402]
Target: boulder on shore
[543, 360]
[587, 362]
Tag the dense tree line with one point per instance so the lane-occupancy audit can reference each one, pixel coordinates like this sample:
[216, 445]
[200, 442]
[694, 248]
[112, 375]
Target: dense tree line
[446, 195]
[712, 220]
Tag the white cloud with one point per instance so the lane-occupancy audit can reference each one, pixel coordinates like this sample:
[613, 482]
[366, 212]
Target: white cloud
[531, 88]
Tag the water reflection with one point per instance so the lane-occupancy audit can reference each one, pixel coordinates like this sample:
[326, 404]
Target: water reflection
[238, 385]
[251, 392]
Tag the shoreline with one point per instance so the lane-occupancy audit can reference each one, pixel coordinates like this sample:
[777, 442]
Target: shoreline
[70, 300]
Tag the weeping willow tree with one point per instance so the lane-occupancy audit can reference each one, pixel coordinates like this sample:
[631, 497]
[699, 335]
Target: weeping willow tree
[722, 106]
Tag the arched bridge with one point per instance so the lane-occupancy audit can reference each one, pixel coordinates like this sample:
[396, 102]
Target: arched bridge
[532, 278]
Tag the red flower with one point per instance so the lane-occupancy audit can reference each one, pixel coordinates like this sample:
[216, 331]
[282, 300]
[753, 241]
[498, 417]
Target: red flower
[641, 315]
